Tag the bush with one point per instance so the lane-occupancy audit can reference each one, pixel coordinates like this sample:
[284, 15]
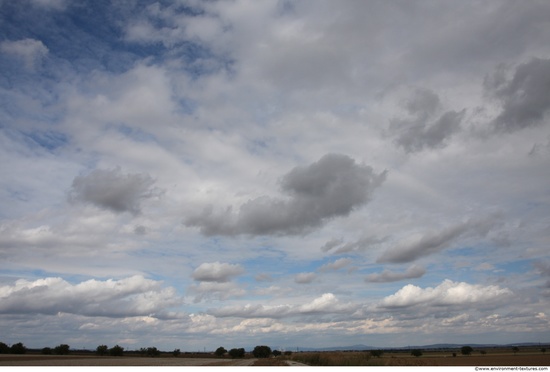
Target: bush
[102, 350]
[466, 350]
[62, 349]
[18, 348]
[237, 353]
[261, 351]
[176, 352]
[116, 351]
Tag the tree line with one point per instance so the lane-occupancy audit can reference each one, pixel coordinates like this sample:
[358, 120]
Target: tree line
[260, 351]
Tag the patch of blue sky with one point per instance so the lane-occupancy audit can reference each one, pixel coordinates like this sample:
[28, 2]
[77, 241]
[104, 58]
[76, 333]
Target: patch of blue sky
[49, 140]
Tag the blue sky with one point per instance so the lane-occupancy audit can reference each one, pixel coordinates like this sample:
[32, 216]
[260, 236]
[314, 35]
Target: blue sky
[189, 174]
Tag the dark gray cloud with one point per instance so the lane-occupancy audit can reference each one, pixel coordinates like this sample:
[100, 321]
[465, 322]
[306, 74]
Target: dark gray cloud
[387, 276]
[331, 187]
[434, 242]
[113, 190]
[425, 129]
[525, 97]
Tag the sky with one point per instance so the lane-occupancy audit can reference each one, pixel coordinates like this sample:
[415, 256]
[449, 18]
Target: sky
[195, 174]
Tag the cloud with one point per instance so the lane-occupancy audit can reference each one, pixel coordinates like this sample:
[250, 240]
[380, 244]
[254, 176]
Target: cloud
[332, 187]
[353, 246]
[390, 276]
[216, 272]
[448, 293]
[113, 190]
[216, 291]
[525, 97]
[31, 51]
[423, 130]
[304, 278]
[336, 265]
[328, 303]
[430, 243]
[134, 296]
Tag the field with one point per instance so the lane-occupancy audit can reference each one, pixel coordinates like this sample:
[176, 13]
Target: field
[491, 357]
[496, 357]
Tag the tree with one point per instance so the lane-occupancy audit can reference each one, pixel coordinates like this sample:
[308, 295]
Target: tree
[416, 352]
[102, 350]
[220, 351]
[153, 351]
[261, 351]
[176, 352]
[116, 351]
[47, 351]
[276, 353]
[543, 350]
[4, 349]
[62, 349]
[515, 349]
[18, 348]
[466, 350]
[376, 353]
[237, 353]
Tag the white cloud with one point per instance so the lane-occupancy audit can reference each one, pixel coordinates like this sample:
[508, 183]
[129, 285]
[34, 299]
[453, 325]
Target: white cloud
[448, 293]
[134, 296]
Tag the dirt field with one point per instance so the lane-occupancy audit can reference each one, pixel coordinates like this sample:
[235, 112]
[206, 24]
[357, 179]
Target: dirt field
[70, 360]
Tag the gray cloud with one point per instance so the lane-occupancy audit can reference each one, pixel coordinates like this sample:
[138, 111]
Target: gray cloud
[525, 97]
[304, 278]
[353, 246]
[387, 276]
[216, 272]
[336, 265]
[422, 131]
[332, 187]
[434, 242]
[113, 190]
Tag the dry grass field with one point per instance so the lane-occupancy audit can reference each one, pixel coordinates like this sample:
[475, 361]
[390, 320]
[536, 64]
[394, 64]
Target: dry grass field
[433, 358]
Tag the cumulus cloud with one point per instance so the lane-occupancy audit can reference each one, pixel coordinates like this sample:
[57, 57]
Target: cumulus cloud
[433, 242]
[422, 130]
[525, 97]
[448, 293]
[113, 190]
[134, 296]
[332, 187]
[304, 278]
[31, 51]
[216, 272]
[391, 276]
